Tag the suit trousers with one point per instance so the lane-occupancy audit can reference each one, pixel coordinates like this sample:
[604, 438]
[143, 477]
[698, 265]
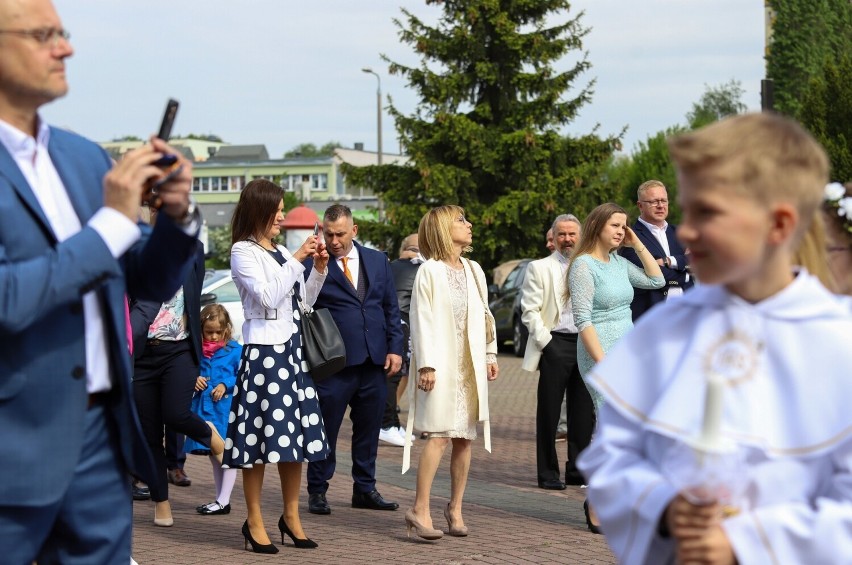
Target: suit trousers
[91, 523]
[163, 384]
[175, 455]
[363, 389]
[559, 378]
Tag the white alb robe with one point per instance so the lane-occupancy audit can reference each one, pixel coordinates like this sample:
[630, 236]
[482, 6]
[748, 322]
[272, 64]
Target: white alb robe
[787, 404]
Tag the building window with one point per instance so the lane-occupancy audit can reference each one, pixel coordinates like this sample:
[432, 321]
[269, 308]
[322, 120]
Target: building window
[218, 184]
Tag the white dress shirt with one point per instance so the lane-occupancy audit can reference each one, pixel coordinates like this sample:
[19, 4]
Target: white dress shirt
[117, 231]
[353, 263]
[566, 317]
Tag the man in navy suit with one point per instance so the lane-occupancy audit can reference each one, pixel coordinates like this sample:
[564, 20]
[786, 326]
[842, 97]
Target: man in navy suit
[659, 237]
[70, 248]
[360, 294]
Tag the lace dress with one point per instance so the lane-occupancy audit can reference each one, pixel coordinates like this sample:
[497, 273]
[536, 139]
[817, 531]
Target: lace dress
[467, 399]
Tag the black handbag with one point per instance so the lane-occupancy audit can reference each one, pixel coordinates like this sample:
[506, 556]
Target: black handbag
[322, 344]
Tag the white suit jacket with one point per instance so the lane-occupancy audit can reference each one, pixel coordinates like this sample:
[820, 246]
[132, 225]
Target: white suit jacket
[266, 291]
[541, 306]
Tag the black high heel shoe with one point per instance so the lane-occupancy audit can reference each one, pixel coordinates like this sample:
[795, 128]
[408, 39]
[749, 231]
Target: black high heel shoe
[256, 547]
[306, 543]
[595, 529]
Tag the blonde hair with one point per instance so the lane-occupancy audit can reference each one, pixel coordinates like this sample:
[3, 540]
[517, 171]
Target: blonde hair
[217, 313]
[592, 227]
[435, 232]
[764, 156]
[645, 186]
[811, 253]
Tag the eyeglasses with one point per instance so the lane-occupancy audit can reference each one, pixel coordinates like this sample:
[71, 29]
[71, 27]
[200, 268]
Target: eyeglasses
[45, 36]
[658, 202]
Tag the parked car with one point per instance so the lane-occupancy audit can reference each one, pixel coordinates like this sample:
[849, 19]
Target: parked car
[218, 287]
[505, 304]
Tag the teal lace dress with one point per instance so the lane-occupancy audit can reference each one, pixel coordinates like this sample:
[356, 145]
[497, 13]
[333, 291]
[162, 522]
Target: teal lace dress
[601, 293]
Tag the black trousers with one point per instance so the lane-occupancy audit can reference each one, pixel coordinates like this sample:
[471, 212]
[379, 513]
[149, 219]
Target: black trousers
[175, 456]
[163, 382]
[559, 377]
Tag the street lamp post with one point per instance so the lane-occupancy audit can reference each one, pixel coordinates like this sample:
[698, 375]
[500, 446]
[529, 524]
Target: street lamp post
[378, 109]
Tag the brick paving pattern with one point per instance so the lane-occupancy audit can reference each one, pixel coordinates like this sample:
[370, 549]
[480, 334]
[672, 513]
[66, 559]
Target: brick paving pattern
[511, 520]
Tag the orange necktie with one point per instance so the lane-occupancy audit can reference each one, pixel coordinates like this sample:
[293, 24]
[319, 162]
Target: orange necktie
[346, 270]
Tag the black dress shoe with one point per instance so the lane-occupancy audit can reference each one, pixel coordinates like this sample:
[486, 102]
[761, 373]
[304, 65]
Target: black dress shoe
[141, 493]
[317, 504]
[552, 484]
[574, 478]
[372, 500]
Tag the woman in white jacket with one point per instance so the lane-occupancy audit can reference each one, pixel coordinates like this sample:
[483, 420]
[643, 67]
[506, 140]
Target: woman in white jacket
[451, 363]
[275, 415]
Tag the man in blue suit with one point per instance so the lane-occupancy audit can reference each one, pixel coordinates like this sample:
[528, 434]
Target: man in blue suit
[70, 249]
[360, 294]
[659, 237]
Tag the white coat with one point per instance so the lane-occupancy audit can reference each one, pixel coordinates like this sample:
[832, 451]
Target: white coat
[266, 291]
[433, 338]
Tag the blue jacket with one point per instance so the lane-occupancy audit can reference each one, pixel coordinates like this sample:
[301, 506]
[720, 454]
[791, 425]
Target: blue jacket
[644, 299]
[43, 397]
[370, 330]
[222, 368]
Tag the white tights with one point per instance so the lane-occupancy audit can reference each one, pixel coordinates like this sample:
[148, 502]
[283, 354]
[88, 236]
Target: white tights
[224, 480]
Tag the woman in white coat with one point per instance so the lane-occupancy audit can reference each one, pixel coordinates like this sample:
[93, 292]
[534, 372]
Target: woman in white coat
[451, 363]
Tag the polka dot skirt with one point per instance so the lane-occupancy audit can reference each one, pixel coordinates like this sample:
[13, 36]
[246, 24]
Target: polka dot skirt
[275, 414]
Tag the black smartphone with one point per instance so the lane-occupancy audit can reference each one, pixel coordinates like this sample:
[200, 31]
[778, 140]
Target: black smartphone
[166, 132]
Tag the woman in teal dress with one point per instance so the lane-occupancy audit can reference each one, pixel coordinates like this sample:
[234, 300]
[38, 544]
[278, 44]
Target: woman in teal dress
[600, 284]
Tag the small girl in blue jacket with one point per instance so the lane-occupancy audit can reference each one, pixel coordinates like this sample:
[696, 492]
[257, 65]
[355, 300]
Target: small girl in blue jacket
[212, 400]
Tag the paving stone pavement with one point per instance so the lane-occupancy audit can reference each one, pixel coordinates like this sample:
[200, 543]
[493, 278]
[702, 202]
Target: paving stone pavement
[511, 520]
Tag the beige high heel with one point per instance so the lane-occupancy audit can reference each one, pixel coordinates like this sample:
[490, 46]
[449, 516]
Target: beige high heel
[426, 533]
[460, 531]
[217, 444]
[166, 521]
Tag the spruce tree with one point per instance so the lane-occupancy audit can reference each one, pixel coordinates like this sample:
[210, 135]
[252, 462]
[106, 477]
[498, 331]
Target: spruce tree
[488, 133]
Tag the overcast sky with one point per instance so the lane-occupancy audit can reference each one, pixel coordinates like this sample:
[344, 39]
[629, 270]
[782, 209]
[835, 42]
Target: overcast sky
[284, 72]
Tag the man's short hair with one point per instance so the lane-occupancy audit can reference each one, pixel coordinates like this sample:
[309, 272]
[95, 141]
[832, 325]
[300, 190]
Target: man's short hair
[564, 218]
[647, 185]
[337, 211]
[765, 156]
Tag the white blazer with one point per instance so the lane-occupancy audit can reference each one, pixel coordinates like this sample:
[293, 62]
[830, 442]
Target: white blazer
[266, 291]
[541, 306]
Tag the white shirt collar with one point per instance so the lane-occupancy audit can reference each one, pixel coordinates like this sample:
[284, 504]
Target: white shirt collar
[651, 226]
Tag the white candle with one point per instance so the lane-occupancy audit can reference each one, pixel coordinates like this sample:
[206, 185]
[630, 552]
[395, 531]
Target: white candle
[711, 427]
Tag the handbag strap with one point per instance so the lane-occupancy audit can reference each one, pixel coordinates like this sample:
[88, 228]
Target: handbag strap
[478, 287]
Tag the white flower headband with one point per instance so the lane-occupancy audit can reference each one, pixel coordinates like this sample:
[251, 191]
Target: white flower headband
[835, 199]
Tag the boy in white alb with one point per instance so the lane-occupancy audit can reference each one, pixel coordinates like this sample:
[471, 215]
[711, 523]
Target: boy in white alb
[780, 342]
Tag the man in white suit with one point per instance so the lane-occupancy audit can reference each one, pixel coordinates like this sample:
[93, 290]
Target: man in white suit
[552, 349]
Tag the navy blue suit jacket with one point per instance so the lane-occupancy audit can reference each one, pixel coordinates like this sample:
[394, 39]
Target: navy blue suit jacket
[43, 397]
[644, 299]
[370, 330]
